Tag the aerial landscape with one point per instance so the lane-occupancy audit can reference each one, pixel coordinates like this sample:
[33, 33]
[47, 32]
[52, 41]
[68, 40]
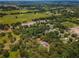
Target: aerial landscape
[39, 28]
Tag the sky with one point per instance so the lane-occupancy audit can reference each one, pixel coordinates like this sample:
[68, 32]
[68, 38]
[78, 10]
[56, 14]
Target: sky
[39, 0]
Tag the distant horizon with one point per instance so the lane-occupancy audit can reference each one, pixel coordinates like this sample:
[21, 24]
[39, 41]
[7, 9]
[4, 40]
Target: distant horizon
[39, 0]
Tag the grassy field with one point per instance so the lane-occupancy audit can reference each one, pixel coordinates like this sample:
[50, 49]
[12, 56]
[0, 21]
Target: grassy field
[9, 19]
[15, 11]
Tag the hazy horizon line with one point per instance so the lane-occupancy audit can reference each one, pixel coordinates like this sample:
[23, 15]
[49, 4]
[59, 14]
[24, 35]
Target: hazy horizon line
[39, 0]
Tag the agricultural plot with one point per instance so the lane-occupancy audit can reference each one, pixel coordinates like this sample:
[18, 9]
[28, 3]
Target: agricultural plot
[9, 19]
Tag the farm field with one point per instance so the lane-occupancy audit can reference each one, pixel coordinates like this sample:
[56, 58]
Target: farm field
[9, 19]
